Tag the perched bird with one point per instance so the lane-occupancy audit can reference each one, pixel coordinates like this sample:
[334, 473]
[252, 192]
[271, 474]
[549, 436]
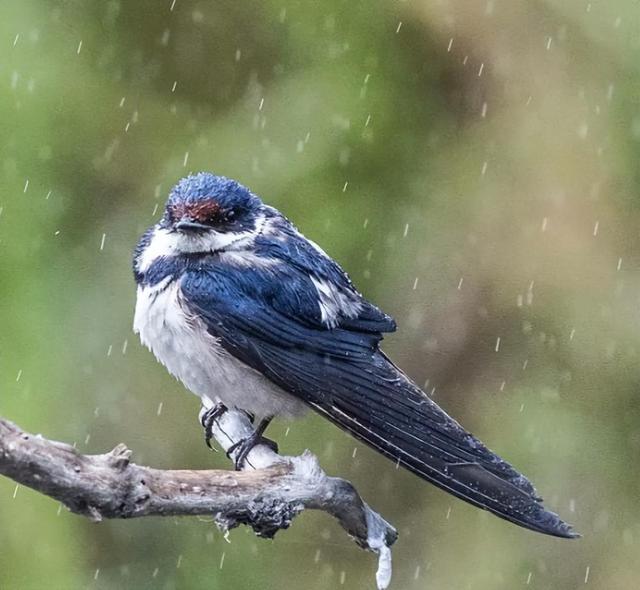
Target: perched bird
[250, 314]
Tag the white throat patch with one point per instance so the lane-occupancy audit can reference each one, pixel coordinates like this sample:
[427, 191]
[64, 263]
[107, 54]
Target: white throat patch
[165, 243]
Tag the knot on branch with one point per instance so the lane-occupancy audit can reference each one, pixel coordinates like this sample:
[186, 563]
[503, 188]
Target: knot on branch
[265, 516]
[119, 458]
[82, 507]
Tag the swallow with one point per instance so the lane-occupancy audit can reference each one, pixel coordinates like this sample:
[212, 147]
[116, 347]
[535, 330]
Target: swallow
[250, 314]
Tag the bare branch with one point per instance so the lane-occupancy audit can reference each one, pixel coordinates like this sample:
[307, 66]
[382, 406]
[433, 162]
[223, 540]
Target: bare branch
[267, 496]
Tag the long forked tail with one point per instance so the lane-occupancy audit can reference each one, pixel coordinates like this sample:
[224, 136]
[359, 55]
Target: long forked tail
[380, 406]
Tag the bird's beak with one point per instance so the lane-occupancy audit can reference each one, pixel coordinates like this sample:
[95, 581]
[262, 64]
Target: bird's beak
[187, 224]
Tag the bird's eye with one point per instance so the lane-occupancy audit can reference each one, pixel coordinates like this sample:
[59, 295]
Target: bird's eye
[213, 218]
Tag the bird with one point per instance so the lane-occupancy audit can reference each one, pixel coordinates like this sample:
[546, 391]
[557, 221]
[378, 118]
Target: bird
[250, 314]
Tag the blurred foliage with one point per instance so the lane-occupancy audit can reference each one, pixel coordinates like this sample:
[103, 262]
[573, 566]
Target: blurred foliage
[472, 164]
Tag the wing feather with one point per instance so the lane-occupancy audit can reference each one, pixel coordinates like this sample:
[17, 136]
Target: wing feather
[342, 374]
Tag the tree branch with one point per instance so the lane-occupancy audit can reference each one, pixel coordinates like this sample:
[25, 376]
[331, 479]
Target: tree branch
[266, 496]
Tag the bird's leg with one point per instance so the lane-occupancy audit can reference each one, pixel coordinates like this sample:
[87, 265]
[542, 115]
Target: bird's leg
[244, 446]
[208, 419]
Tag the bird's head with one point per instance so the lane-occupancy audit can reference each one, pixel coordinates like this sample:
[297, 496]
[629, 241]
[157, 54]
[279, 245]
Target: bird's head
[205, 213]
[204, 203]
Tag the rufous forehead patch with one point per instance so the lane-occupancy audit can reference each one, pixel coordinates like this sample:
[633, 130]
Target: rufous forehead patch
[202, 210]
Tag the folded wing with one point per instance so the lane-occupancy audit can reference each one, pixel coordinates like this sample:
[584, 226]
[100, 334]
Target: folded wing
[342, 374]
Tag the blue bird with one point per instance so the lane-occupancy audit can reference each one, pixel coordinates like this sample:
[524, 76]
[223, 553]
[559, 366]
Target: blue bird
[250, 314]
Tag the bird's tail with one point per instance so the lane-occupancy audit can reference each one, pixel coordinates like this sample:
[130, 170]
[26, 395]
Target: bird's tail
[380, 406]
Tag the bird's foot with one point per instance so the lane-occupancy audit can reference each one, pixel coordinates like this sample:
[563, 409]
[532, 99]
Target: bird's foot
[208, 418]
[243, 447]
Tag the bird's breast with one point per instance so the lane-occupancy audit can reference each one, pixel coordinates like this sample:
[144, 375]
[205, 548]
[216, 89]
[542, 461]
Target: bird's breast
[181, 342]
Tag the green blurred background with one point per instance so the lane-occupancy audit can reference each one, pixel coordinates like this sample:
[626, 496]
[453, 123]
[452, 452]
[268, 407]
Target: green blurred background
[472, 164]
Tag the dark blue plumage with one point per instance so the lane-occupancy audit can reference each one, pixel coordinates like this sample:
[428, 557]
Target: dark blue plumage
[199, 187]
[279, 305]
[231, 197]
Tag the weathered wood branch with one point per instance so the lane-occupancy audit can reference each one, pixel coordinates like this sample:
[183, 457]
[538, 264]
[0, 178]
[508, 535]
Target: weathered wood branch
[266, 496]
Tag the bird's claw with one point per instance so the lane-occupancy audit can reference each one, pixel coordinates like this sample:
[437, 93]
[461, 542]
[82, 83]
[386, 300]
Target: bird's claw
[243, 447]
[208, 419]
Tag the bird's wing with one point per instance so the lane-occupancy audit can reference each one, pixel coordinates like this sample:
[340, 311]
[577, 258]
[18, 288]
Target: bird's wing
[341, 373]
[319, 274]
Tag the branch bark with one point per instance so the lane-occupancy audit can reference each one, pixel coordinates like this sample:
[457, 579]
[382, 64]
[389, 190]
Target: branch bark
[266, 496]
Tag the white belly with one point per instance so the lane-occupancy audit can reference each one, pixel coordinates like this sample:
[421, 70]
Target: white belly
[181, 343]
